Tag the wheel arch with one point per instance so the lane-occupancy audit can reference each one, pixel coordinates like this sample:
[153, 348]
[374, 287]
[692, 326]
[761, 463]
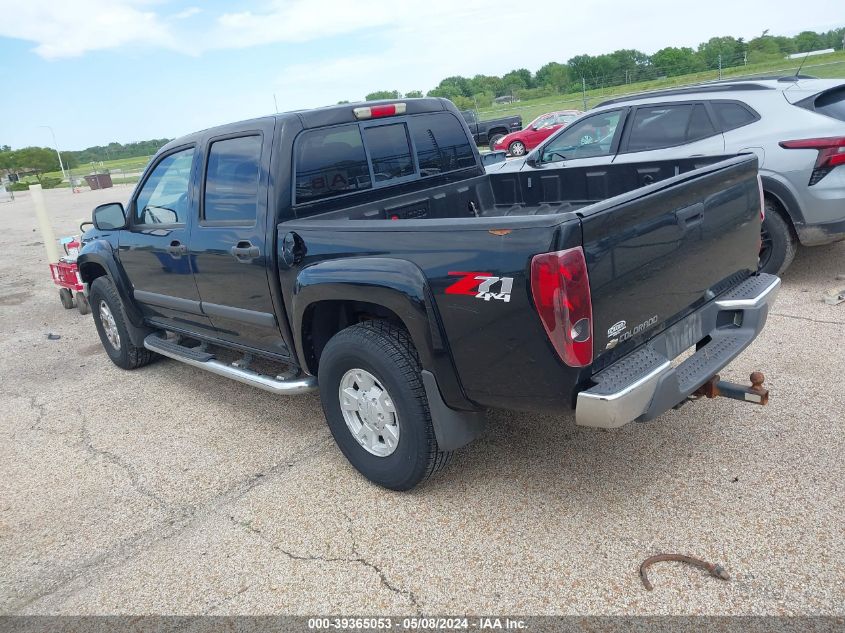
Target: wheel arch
[332, 295]
[97, 260]
[780, 193]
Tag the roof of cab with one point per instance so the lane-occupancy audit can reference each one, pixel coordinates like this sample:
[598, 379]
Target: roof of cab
[321, 117]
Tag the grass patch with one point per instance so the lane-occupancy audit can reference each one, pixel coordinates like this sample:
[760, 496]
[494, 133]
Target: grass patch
[827, 66]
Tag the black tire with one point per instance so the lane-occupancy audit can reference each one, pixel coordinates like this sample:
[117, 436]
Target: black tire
[517, 148]
[66, 297]
[778, 241]
[82, 304]
[125, 355]
[493, 140]
[386, 352]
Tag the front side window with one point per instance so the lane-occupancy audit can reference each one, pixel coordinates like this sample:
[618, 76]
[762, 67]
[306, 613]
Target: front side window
[390, 151]
[441, 144]
[231, 180]
[591, 136]
[164, 197]
[543, 121]
[330, 162]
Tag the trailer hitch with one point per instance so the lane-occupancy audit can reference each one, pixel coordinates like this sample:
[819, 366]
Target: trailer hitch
[755, 394]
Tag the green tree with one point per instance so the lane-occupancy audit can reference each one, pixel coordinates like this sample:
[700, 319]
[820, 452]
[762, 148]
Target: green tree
[671, 61]
[36, 159]
[481, 84]
[414, 94]
[554, 76]
[517, 79]
[808, 41]
[382, 94]
[730, 49]
[763, 48]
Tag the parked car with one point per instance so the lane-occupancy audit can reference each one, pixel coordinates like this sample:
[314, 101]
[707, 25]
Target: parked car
[520, 143]
[363, 251]
[491, 130]
[795, 126]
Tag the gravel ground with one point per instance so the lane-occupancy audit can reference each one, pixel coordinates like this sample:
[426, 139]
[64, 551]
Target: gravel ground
[168, 490]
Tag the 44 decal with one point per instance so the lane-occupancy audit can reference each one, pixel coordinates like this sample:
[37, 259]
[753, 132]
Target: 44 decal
[481, 286]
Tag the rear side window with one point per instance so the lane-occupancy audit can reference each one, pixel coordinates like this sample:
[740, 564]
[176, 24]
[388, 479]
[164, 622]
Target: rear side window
[832, 103]
[441, 144]
[732, 115]
[390, 151]
[667, 125]
[330, 162]
[231, 180]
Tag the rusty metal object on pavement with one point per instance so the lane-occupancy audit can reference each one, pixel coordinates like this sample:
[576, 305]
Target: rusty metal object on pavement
[715, 570]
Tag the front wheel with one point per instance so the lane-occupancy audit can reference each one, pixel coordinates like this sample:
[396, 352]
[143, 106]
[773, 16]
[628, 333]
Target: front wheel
[517, 148]
[376, 407]
[110, 321]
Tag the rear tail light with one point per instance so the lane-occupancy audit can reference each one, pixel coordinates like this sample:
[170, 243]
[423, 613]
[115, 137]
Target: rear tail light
[561, 290]
[831, 153]
[378, 111]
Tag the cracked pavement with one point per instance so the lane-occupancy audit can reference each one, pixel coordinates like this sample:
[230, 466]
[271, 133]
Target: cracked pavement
[169, 490]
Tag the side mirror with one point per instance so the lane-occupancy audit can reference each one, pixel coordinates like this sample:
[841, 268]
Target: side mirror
[109, 217]
[534, 158]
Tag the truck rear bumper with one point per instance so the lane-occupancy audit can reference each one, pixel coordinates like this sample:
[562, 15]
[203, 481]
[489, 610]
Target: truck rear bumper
[644, 384]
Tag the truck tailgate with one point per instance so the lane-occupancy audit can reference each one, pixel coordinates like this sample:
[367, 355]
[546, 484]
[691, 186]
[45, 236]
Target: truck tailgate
[658, 253]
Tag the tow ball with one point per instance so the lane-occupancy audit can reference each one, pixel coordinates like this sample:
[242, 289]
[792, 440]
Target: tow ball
[755, 394]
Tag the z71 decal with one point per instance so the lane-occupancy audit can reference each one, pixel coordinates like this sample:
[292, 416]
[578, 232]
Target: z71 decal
[481, 286]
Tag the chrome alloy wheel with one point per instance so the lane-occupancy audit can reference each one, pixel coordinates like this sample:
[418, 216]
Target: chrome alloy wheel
[369, 412]
[109, 326]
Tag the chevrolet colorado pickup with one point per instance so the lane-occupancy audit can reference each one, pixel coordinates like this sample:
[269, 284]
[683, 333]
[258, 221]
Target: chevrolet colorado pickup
[363, 251]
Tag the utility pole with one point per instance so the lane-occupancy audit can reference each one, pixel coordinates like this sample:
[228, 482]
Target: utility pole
[584, 91]
[720, 65]
[275, 103]
[56, 145]
[745, 58]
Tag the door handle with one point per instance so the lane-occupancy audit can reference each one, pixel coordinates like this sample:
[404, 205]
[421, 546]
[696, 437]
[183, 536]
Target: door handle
[245, 250]
[177, 248]
[690, 216]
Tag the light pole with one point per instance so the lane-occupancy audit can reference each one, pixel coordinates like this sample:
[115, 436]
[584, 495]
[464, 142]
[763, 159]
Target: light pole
[56, 145]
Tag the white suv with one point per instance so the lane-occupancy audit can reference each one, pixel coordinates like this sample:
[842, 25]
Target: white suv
[795, 126]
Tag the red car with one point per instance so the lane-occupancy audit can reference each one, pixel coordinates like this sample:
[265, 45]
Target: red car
[520, 143]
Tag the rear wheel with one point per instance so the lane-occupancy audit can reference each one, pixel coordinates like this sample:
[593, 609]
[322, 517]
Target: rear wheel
[517, 148]
[777, 241]
[110, 321]
[82, 304]
[376, 407]
[495, 138]
[66, 297]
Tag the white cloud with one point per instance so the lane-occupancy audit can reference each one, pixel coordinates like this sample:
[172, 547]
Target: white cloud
[70, 29]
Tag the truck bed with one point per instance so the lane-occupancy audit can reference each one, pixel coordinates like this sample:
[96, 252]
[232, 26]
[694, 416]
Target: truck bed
[655, 254]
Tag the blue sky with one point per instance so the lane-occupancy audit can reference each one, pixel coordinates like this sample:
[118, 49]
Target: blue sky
[126, 70]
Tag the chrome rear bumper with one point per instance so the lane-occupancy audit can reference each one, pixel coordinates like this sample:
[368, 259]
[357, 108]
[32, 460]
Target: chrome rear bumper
[643, 384]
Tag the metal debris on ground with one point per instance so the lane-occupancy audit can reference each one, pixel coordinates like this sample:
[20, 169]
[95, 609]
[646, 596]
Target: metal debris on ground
[715, 570]
[53, 337]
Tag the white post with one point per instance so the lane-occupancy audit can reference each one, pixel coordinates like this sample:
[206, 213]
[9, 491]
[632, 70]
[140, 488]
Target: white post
[44, 224]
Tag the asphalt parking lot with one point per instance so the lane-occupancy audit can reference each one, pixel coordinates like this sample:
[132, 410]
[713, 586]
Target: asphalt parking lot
[169, 490]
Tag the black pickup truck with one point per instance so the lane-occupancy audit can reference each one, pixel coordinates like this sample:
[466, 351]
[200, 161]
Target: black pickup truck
[490, 131]
[363, 251]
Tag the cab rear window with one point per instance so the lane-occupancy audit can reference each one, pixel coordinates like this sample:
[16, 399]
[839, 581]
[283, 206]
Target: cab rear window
[348, 158]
